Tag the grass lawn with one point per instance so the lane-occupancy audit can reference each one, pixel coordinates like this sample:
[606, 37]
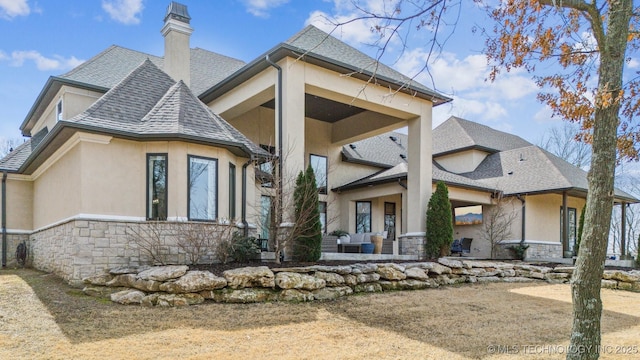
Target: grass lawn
[42, 318]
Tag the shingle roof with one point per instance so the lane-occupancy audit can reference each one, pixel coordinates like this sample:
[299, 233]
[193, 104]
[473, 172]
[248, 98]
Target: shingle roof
[17, 157]
[513, 165]
[457, 134]
[312, 40]
[149, 103]
[386, 150]
[111, 66]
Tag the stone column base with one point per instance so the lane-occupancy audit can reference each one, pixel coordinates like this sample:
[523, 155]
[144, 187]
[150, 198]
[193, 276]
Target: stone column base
[412, 244]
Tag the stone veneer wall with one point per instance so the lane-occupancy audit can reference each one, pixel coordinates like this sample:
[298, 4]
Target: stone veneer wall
[79, 248]
[176, 285]
[412, 245]
[12, 245]
[538, 250]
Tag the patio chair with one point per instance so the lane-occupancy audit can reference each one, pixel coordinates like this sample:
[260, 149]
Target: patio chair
[456, 247]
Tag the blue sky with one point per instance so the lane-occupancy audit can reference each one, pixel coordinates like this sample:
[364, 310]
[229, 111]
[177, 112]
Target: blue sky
[48, 37]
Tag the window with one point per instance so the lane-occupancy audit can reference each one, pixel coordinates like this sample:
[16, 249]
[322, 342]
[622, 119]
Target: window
[232, 191]
[266, 170]
[265, 216]
[390, 219]
[572, 228]
[322, 209]
[319, 165]
[156, 186]
[363, 216]
[202, 188]
[59, 110]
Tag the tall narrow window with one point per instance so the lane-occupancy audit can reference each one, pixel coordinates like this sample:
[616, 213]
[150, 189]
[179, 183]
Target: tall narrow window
[322, 209]
[363, 216]
[157, 186]
[572, 227]
[203, 188]
[319, 165]
[232, 191]
[59, 110]
[266, 170]
[390, 219]
[265, 216]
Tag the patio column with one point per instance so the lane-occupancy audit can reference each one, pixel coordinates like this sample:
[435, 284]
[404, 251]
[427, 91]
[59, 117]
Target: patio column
[293, 130]
[419, 177]
[623, 231]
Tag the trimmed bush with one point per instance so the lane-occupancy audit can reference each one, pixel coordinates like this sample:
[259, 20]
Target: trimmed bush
[308, 244]
[439, 234]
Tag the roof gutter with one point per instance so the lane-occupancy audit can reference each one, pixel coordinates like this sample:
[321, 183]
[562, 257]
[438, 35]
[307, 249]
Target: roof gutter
[245, 224]
[279, 114]
[4, 219]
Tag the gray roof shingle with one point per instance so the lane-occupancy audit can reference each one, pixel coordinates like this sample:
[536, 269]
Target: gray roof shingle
[13, 160]
[149, 103]
[110, 66]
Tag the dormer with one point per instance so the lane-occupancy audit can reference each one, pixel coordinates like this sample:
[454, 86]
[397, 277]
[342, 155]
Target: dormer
[461, 162]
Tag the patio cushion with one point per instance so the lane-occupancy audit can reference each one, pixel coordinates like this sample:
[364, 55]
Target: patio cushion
[345, 239]
[357, 238]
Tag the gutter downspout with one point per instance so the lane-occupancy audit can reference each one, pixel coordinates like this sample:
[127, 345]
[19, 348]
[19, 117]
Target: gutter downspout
[4, 219]
[245, 224]
[279, 115]
[524, 208]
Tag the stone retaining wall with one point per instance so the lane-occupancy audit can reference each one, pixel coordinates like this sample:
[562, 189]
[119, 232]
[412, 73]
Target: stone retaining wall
[176, 285]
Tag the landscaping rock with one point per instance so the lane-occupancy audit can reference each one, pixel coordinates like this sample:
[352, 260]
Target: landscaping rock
[331, 279]
[120, 270]
[363, 268]
[408, 284]
[127, 297]
[342, 270]
[331, 293]
[295, 295]
[629, 286]
[193, 282]
[416, 273]
[132, 281]
[461, 271]
[163, 273]
[629, 277]
[450, 263]
[508, 273]
[100, 291]
[564, 269]
[289, 280]
[98, 280]
[557, 277]
[517, 279]
[608, 284]
[391, 271]
[488, 279]
[260, 276]
[437, 268]
[350, 279]
[244, 295]
[366, 278]
[367, 287]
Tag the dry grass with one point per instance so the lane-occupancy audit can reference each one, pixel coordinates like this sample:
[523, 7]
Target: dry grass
[41, 317]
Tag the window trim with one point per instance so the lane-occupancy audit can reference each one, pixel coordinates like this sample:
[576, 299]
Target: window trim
[326, 173]
[59, 110]
[232, 191]
[217, 199]
[166, 186]
[370, 215]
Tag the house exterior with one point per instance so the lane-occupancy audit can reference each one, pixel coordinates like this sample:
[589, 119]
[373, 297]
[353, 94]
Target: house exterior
[128, 138]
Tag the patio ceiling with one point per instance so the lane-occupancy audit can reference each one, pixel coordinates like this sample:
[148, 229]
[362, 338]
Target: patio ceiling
[322, 109]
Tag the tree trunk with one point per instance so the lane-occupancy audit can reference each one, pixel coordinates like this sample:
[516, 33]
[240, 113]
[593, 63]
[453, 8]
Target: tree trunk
[585, 284]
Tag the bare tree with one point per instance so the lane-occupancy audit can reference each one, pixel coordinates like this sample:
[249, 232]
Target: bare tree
[497, 222]
[565, 142]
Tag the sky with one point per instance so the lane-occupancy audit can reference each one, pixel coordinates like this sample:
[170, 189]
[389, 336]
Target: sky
[50, 37]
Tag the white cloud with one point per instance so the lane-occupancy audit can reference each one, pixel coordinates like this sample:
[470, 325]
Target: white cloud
[123, 11]
[633, 63]
[43, 63]
[260, 8]
[12, 8]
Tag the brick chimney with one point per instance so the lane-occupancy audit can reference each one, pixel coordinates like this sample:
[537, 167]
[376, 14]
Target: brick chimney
[176, 32]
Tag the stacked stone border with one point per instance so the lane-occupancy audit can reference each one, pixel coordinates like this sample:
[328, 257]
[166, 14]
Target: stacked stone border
[177, 286]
